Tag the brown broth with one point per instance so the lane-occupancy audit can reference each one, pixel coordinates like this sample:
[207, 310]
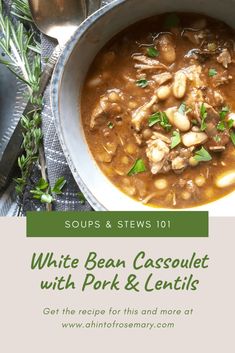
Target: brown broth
[112, 141]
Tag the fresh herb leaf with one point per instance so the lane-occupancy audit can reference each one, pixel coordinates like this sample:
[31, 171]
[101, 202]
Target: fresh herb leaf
[202, 155]
[172, 20]
[182, 108]
[217, 138]
[221, 126]
[212, 72]
[42, 184]
[110, 125]
[59, 184]
[142, 83]
[138, 167]
[232, 136]
[176, 139]
[224, 111]
[203, 113]
[81, 198]
[152, 52]
[230, 123]
[160, 118]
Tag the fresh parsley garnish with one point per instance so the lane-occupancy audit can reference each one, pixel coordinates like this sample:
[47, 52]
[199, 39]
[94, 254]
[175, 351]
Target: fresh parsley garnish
[138, 167]
[203, 113]
[176, 139]
[212, 72]
[110, 125]
[152, 52]
[224, 111]
[160, 118]
[217, 138]
[172, 20]
[221, 126]
[230, 123]
[202, 155]
[142, 83]
[182, 108]
[232, 136]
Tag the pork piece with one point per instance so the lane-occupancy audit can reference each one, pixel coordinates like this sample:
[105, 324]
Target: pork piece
[105, 109]
[224, 58]
[146, 63]
[158, 149]
[193, 74]
[162, 78]
[195, 35]
[142, 113]
[180, 159]
[222, 78]
[166, 44]
[162, 159]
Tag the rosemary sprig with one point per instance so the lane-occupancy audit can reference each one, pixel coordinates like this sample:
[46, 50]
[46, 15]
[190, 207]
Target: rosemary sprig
[23, 59]
[20, 9]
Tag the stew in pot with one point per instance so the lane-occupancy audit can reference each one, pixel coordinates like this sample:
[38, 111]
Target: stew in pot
[158, 110]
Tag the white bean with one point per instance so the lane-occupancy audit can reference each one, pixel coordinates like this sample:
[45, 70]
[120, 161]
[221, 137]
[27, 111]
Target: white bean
[194, 138]
[225, 180]
[170, 112]
[163, 92]
[200, 181]
[181, 121]
[179, 85]
[193, 162]
[160, 184]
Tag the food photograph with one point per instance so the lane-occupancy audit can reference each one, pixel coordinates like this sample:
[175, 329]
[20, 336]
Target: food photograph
[122, 105]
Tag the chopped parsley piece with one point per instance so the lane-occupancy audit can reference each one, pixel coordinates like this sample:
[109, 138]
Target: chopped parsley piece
[152, 52]
[176, 139]
[138, 167]
[202, 155]
[160, 118]
[224, 111]
[142, 83]
[221, 126]
[230, 123]
[172, 20]
[232, 136]
[217, 138]
[212, 72]
[203, 113]
[110, 125]
[183, 109]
